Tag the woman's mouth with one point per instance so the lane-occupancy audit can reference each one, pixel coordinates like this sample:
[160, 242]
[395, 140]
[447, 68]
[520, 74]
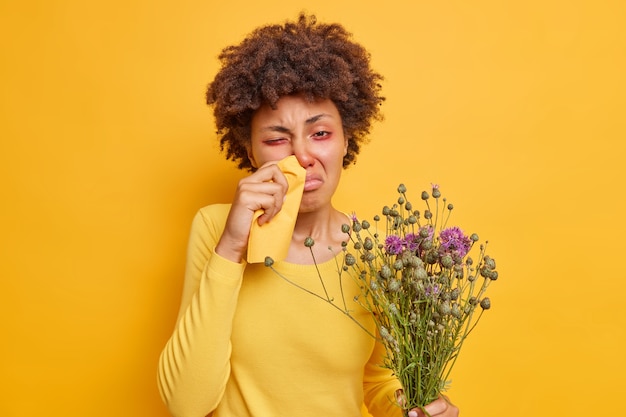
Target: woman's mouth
[312, 183]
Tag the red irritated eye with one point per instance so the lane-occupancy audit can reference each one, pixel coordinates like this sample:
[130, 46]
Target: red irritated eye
[321, 134]
[274, 141]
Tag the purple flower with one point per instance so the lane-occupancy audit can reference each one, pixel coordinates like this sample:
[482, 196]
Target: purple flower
[411, 241]
[452, 240]
[393, 245]
[431, 290]
[427, 232]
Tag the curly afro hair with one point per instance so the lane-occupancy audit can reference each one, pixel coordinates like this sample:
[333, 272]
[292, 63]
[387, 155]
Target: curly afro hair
[305, 57]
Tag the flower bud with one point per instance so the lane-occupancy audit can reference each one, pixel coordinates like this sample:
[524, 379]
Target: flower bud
[454, 294]
[474, 237]
[393, 309]
[365, 224]
[446, 261]
[490, 262]
[456, 311]
[309, 242]
[384, 333]
[444, 308]
[436, 192]
[416, 262]
[485, 272]
[368, 244]
[398, 264]
[485, 303]
[431, 257]
[458, 271]
[345, 228]
[385, 271]
[350, 259]
[401, 188]
[425, 195]
[269, 261]
[420, 273]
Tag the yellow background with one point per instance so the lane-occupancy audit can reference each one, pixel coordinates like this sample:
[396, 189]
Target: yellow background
[517, 109]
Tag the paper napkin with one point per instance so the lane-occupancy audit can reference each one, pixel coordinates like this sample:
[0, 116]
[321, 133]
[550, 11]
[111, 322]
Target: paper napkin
[272, 239]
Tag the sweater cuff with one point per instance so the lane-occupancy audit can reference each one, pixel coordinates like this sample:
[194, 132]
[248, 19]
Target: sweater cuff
[225, 270]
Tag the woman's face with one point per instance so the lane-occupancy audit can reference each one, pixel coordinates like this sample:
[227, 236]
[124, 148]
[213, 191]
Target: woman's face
[313, 132]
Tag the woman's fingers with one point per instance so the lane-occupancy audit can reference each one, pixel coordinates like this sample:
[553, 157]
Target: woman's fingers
[263, 190]
[440, 407]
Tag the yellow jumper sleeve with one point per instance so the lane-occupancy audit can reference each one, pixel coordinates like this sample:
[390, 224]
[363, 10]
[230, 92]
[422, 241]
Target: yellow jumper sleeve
[195, 364]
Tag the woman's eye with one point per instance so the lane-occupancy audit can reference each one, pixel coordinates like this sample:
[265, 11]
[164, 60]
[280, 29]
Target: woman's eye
[274, 141]
[321, 134]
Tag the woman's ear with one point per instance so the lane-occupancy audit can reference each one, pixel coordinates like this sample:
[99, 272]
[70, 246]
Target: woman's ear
[251, 157]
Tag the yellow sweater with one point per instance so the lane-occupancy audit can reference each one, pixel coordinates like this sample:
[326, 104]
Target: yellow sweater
[248, 343]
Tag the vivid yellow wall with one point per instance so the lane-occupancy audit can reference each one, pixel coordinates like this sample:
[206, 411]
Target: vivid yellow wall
[517, 109]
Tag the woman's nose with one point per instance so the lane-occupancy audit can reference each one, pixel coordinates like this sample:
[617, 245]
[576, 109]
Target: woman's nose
[302, 153]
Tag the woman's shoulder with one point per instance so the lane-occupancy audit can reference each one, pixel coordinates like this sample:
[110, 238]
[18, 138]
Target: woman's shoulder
[214, 211]
[211, 218]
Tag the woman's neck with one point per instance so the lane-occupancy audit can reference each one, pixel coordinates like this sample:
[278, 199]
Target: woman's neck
[324, 227]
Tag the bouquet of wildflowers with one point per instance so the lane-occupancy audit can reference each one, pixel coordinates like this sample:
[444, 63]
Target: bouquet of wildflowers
[422, 287]
[424, 290]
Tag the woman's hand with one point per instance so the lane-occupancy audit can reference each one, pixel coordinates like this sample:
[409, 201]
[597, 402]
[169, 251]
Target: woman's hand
[441, 407]
[265, 190]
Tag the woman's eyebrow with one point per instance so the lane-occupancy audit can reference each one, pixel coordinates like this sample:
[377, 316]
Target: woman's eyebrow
[276, 128]
[315, 118]
[282, 129]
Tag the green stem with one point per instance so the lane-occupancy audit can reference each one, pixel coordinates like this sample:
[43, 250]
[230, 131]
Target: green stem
[327, 300]
[318, 274]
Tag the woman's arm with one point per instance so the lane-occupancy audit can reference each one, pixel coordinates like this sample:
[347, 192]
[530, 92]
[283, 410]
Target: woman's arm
[380, 386]
[195, 364]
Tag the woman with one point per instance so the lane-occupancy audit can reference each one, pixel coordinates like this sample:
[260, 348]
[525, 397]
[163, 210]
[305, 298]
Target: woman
[246, 342]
